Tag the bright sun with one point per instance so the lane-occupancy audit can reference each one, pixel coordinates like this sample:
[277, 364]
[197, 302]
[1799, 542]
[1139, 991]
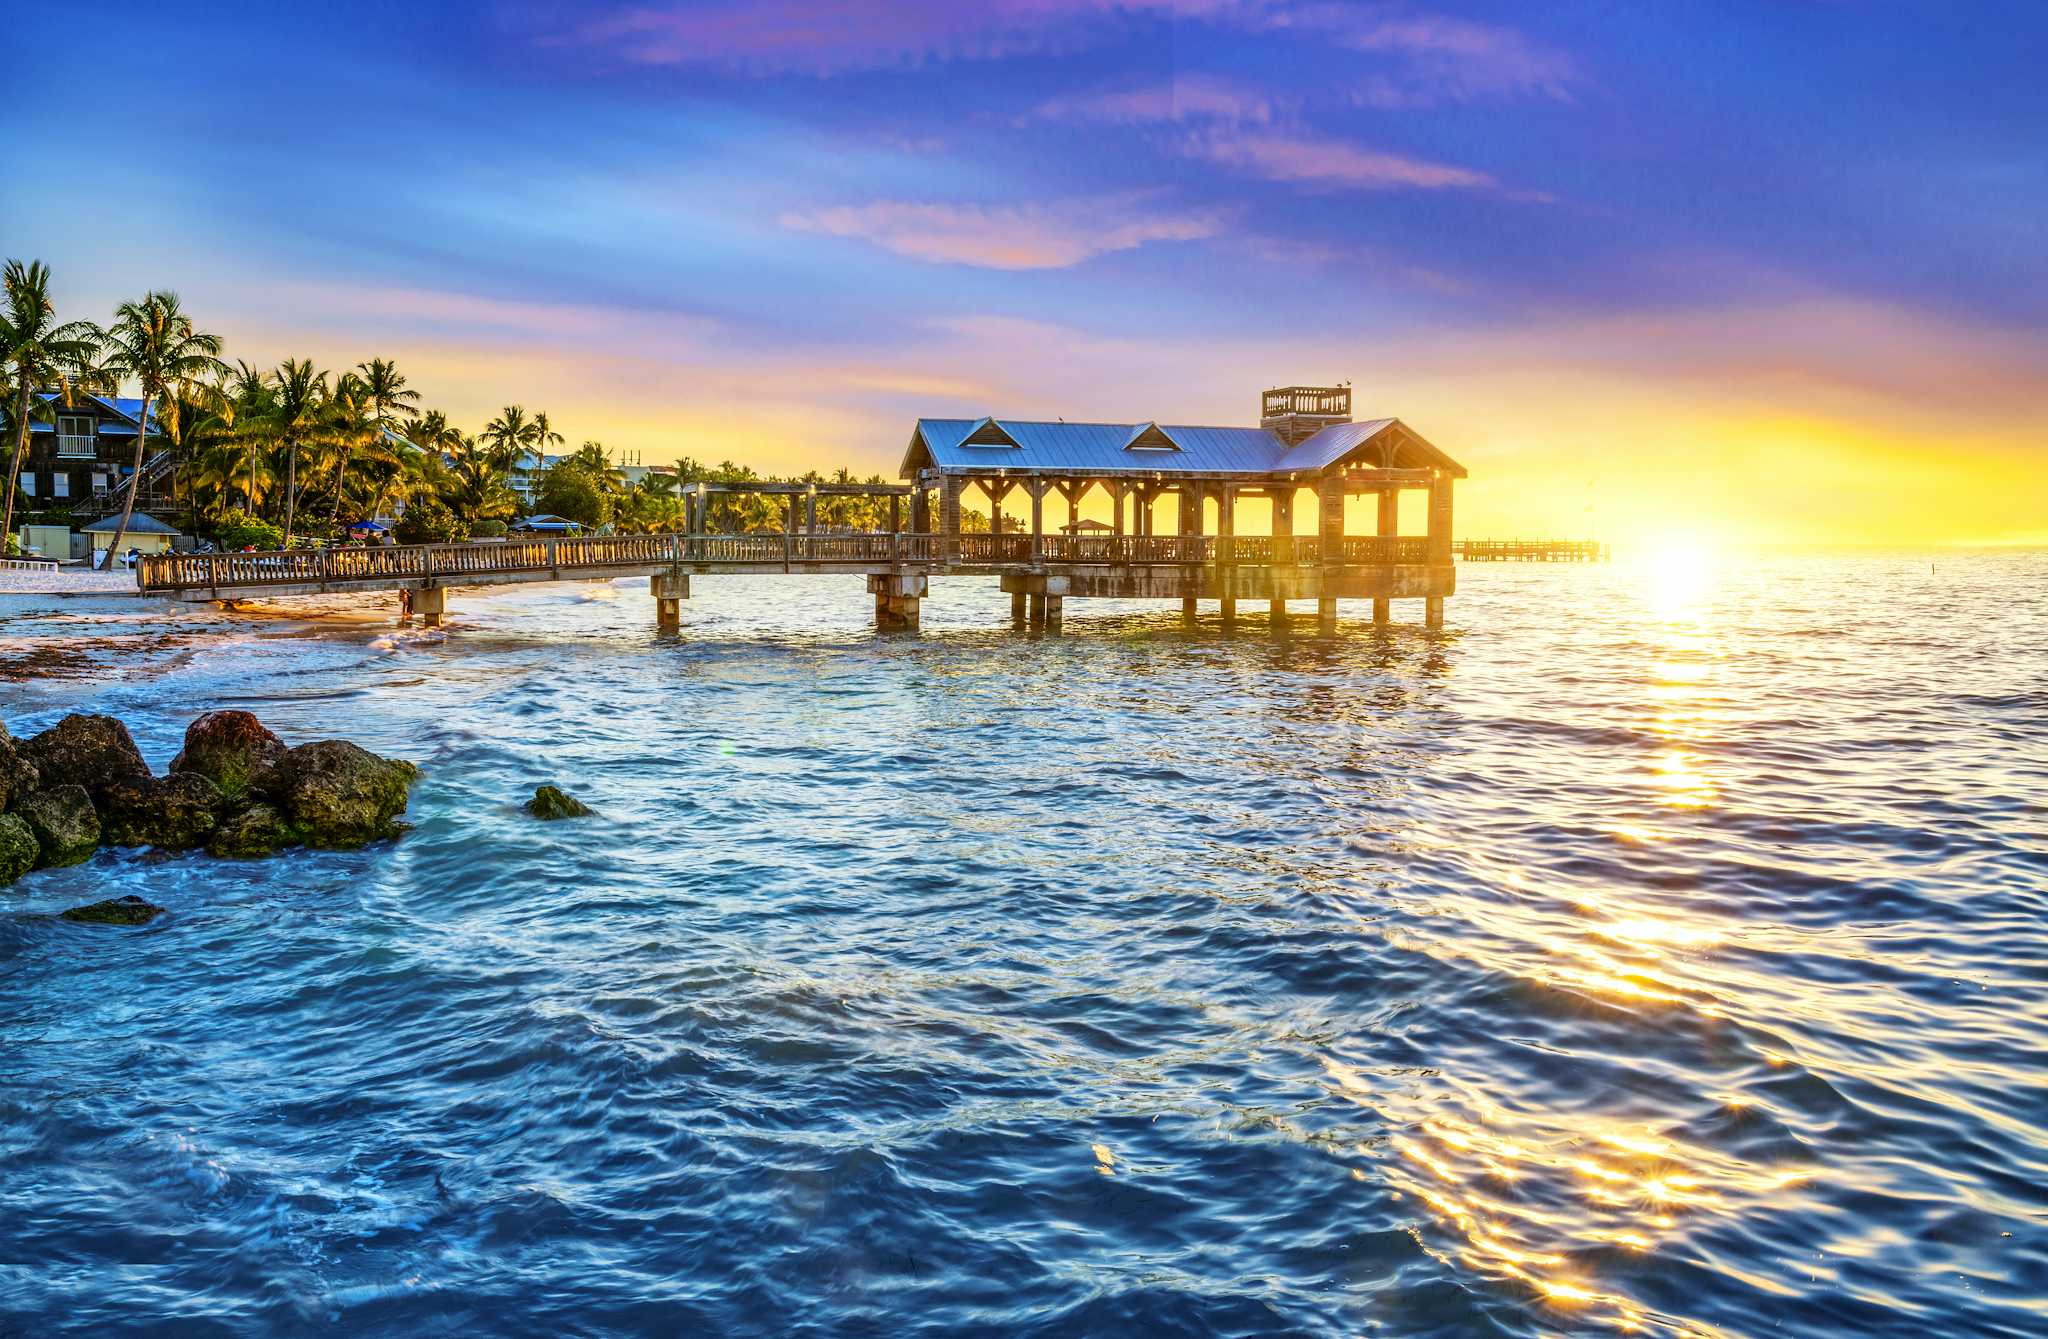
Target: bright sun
[1679, 568]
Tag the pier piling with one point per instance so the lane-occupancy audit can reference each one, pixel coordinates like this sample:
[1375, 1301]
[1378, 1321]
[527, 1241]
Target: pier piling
[669, 589]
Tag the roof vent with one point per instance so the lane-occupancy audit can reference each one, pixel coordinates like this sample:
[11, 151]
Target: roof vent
[1297, 413]
[988, 432]
[1150, 437]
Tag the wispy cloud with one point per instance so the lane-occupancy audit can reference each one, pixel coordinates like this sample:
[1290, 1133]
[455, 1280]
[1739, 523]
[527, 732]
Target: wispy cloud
[1182, 98]
[1459, 60]
[834, 36]
[1004, 237]
[1333, 163]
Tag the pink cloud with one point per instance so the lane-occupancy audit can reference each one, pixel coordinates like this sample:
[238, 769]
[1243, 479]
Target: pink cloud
[831, 36]
[1461, 60]
[1183, 98]
[1028, 237]
[1325, 162]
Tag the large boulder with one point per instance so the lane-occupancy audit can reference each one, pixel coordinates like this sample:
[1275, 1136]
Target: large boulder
[17, 848]
[129, 910]
[176, 812]
[64, 824]
[233, 750]
[340, 795]
[554, 802]
[90, 751]
[259, 830]
[18, 776]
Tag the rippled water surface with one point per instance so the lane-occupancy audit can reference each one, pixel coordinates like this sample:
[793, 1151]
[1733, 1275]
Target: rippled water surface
[1658, 949]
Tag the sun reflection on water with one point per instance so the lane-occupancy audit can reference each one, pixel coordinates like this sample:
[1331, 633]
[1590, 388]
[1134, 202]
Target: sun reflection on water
[1547, 1200]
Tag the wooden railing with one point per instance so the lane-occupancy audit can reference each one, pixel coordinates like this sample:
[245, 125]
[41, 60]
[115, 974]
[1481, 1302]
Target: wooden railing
[1530, 550]
[451, 563]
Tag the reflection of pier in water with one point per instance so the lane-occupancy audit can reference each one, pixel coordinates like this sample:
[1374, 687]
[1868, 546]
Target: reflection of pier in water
[1306, 443]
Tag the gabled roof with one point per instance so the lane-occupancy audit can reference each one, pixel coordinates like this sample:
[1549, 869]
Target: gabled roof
[1035, 447]
[141, 523]
[1392, 444]
[1150, 437]
[126, 411]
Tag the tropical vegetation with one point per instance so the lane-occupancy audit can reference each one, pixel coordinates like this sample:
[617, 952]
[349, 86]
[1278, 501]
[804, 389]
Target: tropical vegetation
[297, 453]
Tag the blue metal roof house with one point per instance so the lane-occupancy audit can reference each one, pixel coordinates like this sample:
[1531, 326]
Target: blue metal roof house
[1289, 442]
[1306, 441]
[84, 449]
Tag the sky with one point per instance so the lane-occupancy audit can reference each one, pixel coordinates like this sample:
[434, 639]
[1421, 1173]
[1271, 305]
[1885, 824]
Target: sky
[1761, 270]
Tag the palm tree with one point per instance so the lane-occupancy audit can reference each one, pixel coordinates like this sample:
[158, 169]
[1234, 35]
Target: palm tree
[298, 400]
[478, 490]
[385, 392]
[544, 434]
[154, 342]
[38, 353]
[511, 432]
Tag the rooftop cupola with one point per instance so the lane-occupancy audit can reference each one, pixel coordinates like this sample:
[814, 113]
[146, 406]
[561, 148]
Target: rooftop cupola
[1297, 413]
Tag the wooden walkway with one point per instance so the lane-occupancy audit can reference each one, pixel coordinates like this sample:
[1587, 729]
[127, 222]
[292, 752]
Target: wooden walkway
[215, 576]
[1531, 550]
[1038, 570]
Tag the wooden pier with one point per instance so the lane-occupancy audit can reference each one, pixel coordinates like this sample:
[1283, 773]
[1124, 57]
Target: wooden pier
[1531, 550]
[1306, 445]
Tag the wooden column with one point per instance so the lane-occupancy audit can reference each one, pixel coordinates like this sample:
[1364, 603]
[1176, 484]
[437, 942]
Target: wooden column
[810, 513]
[895, 513]
[1283, 522]
[1037, 487]
[1389, 532]
[1226, 570]
[950, 487]
[1116, 507]
[1439, 542]
[1330, 509]
[1440, 519]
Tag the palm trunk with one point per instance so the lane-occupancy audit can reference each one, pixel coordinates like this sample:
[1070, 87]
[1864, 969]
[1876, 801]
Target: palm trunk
[291, 490]
[340, 478]
[134, 484]
[14, 465]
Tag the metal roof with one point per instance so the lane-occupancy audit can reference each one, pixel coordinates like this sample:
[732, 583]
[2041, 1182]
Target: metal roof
[141, 523]
[1108, 448]
[1331, 444]
[127, 407]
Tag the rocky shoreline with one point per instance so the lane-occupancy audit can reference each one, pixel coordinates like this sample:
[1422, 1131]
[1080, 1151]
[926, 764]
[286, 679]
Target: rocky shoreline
[235, 790]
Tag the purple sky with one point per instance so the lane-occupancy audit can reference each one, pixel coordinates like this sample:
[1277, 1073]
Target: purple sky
[1599, 251]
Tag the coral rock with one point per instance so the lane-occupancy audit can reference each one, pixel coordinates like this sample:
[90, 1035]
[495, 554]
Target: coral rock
[259, 830]
[18, 848]
[66, 826]
[90, 751]
[554, 802]
[340, 795]
[130, 910]
[233, 750]
[177, 812]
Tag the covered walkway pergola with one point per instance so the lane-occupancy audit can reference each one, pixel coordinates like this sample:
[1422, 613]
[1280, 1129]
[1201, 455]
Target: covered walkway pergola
[1306, 444]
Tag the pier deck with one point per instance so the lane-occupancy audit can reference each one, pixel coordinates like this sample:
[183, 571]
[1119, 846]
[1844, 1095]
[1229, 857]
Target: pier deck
[1306, 447]
[1045, 568]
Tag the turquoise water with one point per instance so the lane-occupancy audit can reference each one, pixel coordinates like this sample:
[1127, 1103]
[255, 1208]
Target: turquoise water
[1660, 949]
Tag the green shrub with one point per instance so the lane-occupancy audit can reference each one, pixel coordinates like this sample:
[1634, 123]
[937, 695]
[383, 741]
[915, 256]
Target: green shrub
[487, 530]
[238, 530]
[572, 491]
[427, 520]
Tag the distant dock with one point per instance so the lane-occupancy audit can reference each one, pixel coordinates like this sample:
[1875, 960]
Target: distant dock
[1531, 551]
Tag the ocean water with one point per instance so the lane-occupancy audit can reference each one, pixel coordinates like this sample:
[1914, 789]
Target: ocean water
[1661, 948]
